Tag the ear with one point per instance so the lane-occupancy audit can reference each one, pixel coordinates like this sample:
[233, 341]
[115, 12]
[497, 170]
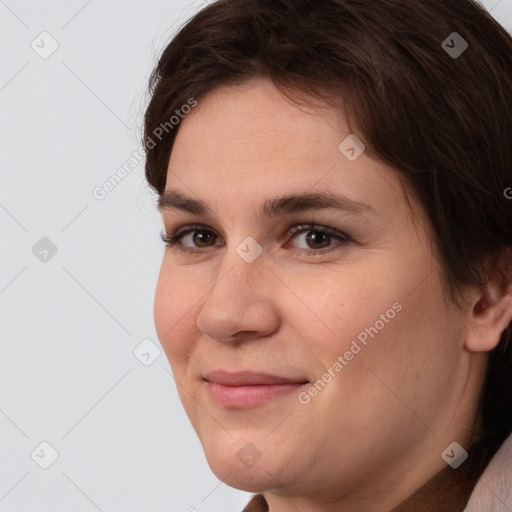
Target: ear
[492, 309]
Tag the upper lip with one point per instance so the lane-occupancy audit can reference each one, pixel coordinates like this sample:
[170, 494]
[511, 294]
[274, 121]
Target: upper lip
[249, 378]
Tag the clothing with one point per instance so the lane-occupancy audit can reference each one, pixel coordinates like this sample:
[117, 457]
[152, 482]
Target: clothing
[476, 486]
[257, 504]
[493, 491]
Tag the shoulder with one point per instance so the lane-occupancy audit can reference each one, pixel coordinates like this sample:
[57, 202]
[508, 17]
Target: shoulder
[494, 488]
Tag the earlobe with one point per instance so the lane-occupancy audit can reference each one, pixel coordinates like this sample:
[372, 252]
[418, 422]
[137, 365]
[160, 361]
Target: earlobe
[490, 316]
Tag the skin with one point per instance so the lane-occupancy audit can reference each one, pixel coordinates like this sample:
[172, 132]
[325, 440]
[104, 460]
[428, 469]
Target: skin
[375, 433]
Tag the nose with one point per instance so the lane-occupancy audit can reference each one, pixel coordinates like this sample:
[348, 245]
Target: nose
[241, 304]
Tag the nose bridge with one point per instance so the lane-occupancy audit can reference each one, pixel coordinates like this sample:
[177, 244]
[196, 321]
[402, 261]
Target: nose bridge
[236, 302]
[240, 270]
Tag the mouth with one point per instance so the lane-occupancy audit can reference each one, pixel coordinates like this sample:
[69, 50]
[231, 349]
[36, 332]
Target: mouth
[238, 390]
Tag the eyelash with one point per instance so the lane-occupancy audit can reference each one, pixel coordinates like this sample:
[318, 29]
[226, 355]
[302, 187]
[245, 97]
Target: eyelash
[172, 239]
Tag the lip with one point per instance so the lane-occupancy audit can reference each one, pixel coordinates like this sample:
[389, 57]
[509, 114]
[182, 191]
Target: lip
[249, 378]
[247, 389]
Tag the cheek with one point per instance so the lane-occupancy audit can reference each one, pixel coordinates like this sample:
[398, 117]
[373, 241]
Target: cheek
[400, 331]
[390, 306]
[173, 315]
[402, 364]
[340, 306]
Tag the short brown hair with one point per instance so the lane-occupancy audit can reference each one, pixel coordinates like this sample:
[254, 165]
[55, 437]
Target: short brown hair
[443, 121]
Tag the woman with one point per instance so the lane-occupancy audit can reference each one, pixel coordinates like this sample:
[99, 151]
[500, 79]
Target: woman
[335, 297]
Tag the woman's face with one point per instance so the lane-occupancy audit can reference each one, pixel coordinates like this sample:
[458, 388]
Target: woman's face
[352, 310]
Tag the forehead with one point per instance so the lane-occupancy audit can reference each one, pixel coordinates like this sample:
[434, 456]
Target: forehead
[254, 120]
[244, 145]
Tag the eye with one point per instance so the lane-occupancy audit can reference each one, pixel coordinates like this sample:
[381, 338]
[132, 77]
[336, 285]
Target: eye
[318, 238]
[196, 233]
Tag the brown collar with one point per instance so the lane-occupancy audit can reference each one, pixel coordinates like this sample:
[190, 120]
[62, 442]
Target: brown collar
[448, 491]
[257, 504]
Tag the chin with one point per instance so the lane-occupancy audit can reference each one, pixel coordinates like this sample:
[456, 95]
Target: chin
[245, 479]
[241, 465]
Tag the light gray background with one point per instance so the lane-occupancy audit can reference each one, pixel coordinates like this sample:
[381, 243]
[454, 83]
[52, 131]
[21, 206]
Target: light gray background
[69, 324]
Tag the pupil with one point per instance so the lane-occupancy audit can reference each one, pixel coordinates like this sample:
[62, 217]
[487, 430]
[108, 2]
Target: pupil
[201, 237]
[317, 238]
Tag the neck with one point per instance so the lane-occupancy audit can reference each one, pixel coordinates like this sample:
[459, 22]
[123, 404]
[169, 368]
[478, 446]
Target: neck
[448, 491]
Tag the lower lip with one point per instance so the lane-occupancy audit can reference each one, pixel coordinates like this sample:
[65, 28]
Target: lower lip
[248, 396]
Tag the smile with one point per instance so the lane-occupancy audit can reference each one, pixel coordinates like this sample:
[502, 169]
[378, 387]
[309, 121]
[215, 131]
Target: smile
[247, 389]
[248, 396]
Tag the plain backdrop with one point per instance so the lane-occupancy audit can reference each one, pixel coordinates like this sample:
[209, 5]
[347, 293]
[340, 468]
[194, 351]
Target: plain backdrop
[90, 418]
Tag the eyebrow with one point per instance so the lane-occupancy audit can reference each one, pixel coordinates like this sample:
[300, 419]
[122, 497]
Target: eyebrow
[270, 208]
